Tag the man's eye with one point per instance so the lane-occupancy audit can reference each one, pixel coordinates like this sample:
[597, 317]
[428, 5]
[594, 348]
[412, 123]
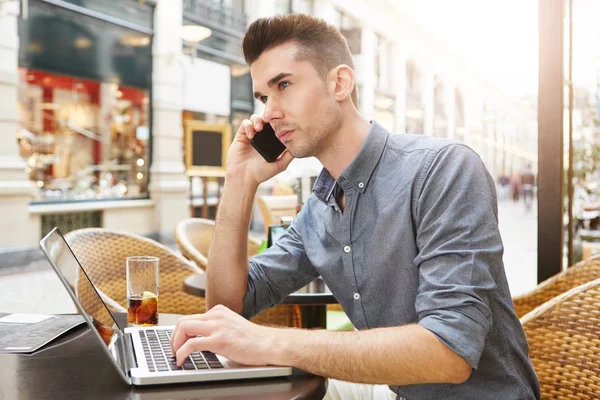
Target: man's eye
[283, 84]
[263, 99]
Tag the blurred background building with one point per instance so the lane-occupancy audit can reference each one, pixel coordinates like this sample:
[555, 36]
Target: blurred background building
[95, 94]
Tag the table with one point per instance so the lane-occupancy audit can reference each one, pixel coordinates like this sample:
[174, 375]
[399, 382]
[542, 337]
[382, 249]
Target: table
[75, 367]
[313, 305]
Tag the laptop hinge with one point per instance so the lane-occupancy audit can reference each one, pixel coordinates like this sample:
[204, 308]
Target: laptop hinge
[129, 356]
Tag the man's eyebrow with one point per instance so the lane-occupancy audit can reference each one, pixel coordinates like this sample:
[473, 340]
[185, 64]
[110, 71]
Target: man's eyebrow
[273, 81]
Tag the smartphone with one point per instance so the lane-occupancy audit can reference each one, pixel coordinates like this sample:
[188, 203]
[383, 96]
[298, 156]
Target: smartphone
[267, 144]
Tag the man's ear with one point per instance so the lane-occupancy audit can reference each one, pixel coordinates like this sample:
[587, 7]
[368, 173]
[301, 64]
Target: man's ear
[341, 81]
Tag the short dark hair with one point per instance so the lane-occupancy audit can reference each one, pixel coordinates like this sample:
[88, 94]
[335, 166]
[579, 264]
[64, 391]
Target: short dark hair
[317, 41]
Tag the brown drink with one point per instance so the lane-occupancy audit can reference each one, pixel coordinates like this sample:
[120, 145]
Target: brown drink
[105, 332]
[143, 310]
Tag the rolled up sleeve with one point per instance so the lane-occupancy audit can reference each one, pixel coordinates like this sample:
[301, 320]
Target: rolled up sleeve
[278, 271]
[459, 250]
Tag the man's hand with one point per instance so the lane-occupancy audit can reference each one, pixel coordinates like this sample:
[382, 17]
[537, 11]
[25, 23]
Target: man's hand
[244, 161]
[224, 332]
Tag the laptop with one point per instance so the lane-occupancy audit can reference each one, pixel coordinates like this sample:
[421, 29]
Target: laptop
[141, 355]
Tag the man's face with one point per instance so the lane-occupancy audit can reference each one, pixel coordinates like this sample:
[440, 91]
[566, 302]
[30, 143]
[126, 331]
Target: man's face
[297, 101]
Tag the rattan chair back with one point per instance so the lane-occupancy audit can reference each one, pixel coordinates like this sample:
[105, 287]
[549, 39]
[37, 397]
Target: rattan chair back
[193, 237]
[102, 254]
[578, 274]
[564, 343]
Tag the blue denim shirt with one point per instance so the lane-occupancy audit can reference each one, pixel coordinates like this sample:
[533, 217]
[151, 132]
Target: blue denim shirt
[418, 242]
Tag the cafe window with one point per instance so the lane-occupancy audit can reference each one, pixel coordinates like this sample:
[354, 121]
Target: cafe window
[582, 134]
[83, 139]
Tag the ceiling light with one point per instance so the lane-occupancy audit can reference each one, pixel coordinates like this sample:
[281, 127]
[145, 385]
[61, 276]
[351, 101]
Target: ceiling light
[194, 33]
[82, 43]
[135, 40]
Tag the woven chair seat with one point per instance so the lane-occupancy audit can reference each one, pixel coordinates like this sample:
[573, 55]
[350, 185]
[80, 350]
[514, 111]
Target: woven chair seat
[564, 343]
[193, 237]
[578, 274]
[102, 254]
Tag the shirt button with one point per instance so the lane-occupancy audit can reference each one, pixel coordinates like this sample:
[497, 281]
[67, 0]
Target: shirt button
[361, 185]
[347, 249]
[356, 296]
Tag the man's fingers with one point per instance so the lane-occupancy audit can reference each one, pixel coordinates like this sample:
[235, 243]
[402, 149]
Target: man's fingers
[179, 321]
[187, 329]
[190, 346]
[247, 128]
[258, 122]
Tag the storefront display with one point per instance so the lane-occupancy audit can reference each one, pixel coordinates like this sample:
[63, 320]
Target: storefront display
[83, 139]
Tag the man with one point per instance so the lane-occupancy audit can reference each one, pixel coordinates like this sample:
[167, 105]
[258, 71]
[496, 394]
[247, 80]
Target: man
[402, 228]
[527, 182]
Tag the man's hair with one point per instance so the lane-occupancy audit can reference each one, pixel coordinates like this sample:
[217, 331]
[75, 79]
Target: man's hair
[318, 42]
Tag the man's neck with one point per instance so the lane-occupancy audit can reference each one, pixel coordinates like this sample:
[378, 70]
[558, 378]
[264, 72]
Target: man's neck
[345, 144]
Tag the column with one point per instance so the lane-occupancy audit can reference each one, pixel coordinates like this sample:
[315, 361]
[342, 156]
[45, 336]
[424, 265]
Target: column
[399, 76]
[16, 190]
[366, 94]
[472, 103]
[168, 182]
[428, 99]
[450, 107]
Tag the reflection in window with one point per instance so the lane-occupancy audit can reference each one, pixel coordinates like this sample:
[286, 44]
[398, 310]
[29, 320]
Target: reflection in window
[83, 139]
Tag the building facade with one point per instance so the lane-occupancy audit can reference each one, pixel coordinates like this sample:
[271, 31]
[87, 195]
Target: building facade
[95, 98]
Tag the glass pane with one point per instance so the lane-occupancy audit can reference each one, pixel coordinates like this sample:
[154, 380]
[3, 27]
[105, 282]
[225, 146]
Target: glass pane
[585, 204]
[64, 42]
[135, 12]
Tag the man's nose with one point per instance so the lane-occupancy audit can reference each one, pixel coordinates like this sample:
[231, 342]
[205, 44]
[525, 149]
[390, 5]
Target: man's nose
[272, 111]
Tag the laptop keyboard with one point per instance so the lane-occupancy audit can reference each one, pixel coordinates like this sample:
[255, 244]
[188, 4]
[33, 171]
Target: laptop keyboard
[157, 350]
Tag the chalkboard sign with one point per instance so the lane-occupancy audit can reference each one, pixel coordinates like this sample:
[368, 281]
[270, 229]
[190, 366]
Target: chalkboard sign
[206, 148]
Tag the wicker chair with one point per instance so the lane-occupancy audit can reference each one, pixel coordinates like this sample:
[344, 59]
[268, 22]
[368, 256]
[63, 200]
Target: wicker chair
[578, 274]
[102, 254]
[275, 207]
[564, 343]
[193, 236]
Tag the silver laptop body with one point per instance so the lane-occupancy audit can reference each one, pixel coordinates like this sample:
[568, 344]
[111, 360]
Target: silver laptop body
[125, 348]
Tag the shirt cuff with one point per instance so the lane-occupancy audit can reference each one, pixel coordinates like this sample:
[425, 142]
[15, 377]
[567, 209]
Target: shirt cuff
[460, 332]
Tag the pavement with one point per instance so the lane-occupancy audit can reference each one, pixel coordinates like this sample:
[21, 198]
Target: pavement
[34, 288]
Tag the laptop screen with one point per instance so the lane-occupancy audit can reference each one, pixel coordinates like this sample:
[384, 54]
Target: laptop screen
[71, 273]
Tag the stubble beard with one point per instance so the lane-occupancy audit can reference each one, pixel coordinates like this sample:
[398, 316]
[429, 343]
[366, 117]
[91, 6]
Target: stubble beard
[313, 140]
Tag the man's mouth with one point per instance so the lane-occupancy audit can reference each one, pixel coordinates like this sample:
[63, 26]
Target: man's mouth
[285, 134]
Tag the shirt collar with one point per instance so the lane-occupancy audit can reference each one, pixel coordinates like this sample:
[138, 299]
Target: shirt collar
[360, 170]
